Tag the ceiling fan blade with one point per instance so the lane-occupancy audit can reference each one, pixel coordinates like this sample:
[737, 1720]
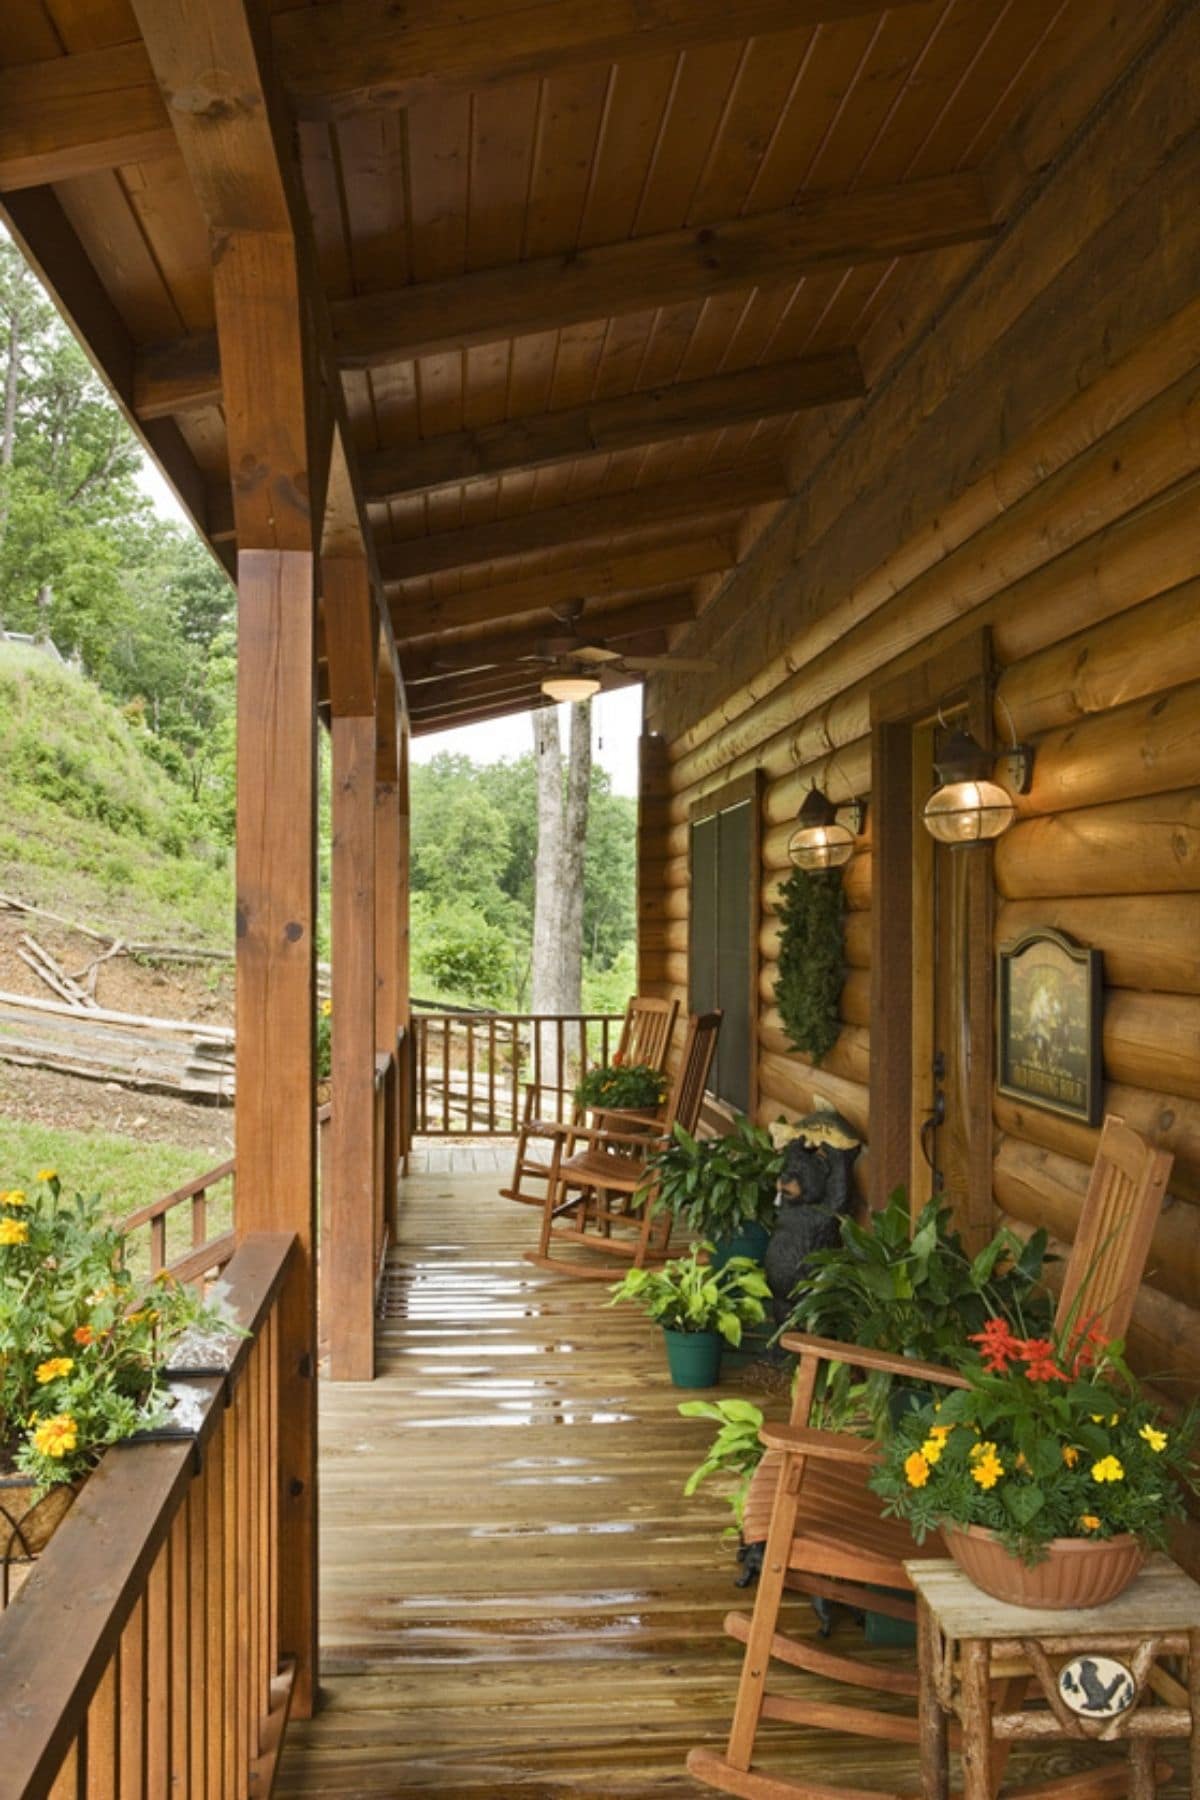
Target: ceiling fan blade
[682, 665]
[595, 652]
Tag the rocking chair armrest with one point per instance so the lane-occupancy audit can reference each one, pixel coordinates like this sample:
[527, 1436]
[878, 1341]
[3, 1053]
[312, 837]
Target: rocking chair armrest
[599, 1139]
[833, 1350]
[828, 1446]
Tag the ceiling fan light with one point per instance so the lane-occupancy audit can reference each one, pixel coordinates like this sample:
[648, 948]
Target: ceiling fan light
[570, 687]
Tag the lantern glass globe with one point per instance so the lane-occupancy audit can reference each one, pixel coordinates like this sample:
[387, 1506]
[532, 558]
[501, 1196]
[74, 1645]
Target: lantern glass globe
[968, 812]
[821, 846]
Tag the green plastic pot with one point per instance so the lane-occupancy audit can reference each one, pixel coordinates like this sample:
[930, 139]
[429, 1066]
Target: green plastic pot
[750, 1239]
[693, 1357]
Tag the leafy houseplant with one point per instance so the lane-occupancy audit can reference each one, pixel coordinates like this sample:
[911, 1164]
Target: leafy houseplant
[912, 1288]
[699, 1307]
[1052, 1447]
[618, 1086]
[718, 1187]
[735, 1452]
[811, 959]
[81, 1352]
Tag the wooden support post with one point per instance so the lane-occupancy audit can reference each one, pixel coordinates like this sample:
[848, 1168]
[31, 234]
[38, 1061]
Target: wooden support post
[276, 986]
[349, 1205]
[389, 1013]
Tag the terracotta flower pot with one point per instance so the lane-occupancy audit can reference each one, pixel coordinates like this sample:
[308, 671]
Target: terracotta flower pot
[1075, 1573]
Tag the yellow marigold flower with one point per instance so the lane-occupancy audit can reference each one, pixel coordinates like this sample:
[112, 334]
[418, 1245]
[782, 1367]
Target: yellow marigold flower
[47, 1175]
[15, 1197]
[940, 1432]
[1070, 1455]
[988, 1469]
[13, 1231]
[53, 1367]
[916, 1469]
[931, 1450]
[983, 1448]
[1109, 1468]
[1089, 1521]
[57, 1436]
[1022, 1463]
[1157, 1440]
[326, 1008]
[1099, 1419]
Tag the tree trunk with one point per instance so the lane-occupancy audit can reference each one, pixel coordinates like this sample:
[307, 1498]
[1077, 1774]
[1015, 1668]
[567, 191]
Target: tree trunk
[546, 992]
[8, 421]
[575, 825]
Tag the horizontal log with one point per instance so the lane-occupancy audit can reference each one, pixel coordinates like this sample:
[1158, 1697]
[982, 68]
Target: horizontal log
[856, 931]
[1153, 1041]
[1148, 940]
[845, 774]
[1151, 647]
[640, 571]
[1145, 846]
[1151, 746]
[1167, 1121]
[849, 1057]
[585, 522]
[856, 884]
[655, 415]
[799, 1087]
[1163, 1342]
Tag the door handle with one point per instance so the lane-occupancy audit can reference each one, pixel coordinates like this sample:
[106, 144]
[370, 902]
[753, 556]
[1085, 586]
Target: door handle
[930, 1124]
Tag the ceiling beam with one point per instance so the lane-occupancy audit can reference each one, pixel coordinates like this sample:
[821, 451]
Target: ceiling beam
[621, 625]
[636, 572]
[818, 231]
[500, 708]
[584, 522]
[652, 417]
[97, 109]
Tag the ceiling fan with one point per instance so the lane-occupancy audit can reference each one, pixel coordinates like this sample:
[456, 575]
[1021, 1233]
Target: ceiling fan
[580, 663]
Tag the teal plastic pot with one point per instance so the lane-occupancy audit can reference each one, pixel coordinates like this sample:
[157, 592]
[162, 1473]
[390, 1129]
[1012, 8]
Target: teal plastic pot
[693, 1357]
[750, 1239]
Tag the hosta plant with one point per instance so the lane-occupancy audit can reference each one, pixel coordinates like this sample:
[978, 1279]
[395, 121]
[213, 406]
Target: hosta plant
[1053, 1438]
[82, 1349]
[691, 1295]
[735, 1452]
[716, 1186]
[622, 1086]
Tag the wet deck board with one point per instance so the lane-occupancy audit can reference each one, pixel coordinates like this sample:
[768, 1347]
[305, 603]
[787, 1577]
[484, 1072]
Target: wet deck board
[516, 1598]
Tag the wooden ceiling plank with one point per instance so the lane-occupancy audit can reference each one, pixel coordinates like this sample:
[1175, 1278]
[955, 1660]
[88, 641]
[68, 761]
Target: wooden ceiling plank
[666, 567]
[499, 709]
[72, 115]
[584, 522]
[679, 411]
[625, 623]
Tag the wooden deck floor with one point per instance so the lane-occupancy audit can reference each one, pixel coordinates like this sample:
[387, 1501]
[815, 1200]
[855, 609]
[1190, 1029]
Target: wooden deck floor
[517, 1600]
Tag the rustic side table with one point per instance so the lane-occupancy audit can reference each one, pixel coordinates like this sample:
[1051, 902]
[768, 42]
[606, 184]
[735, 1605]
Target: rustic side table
[1128, 1671]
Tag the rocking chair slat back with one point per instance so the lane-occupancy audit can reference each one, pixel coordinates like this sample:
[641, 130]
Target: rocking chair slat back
[691, 1078]
[1116, 1224]
[647, 1031]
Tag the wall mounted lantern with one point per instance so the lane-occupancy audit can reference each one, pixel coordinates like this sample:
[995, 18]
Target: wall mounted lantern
[967, 806]
[570, 687]
[821, 840]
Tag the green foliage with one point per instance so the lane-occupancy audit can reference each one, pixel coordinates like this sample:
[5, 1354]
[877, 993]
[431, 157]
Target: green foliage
[621, 1085]
[733, 1455]
[811, 960]
[690, 1295]
[129, 1171]
[324, 1038]
[80, 1356]
[459, 955]
[912, 1289]
[714, 1186]
[1053, 1438]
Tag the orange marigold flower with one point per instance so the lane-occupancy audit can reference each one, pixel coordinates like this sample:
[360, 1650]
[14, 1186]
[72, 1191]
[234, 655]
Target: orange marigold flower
[57, 1436]
[916, 1470]
[53, 1367]
[84, 1335]
[1070, 1455]
[1089, 1521]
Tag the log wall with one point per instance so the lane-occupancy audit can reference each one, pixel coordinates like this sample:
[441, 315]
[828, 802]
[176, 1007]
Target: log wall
[1030, 463]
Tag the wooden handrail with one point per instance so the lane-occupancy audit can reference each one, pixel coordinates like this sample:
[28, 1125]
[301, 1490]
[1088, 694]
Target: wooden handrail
[200, 1184]
[471, 1069]
[139, 1563]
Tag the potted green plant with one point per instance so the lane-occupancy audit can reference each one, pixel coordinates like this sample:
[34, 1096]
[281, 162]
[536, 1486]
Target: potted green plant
[734, 1454]
[721, 1189]
[622, 1087]
[910, 1287]
[82, 1352]
[699, 1307]
[1050, 1475]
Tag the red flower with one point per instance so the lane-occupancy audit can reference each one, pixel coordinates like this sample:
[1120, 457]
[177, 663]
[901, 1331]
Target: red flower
[1038, 1356]
[997, 1345]
[1088, 1345]
[617, 1060]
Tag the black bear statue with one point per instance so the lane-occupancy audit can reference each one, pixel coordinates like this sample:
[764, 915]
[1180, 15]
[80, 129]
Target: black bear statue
[815, 1192]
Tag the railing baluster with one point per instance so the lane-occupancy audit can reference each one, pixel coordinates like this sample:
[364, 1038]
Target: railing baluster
[470, 1075]
[132, 1697]
[446, 1075]
[69, 1782]
[156, 1702]
[180, 1649]
[214, 1515]
[199, 1218]
[244, 1687]
[158, 1243]
[103, 1738]
[197, 1526]
[492, 1120]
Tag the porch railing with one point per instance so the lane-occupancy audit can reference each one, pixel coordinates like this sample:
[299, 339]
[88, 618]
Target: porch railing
[178, 1226]
[471, 1068]
[141, 1656]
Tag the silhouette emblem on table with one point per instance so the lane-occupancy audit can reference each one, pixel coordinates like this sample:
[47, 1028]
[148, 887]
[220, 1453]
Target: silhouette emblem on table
[1099, 1686]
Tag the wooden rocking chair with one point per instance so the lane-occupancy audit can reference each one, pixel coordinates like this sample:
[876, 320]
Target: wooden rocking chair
[590, 1192]
[645, 1038]
[826, 1536]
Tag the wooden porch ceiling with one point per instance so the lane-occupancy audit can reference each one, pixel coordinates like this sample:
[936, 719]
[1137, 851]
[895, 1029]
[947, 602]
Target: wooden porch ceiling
[597, 275]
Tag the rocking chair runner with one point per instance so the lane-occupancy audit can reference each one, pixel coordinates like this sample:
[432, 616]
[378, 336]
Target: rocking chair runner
[825, 1534]
[645, 1038]
[590, 1191]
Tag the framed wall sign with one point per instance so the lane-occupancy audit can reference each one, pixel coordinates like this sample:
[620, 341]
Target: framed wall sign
[1050, 994]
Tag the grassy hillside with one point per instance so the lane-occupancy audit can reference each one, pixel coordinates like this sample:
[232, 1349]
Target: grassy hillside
[90, 823]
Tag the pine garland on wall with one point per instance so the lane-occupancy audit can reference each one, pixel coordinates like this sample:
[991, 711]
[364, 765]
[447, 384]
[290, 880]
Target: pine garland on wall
[811, 960]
